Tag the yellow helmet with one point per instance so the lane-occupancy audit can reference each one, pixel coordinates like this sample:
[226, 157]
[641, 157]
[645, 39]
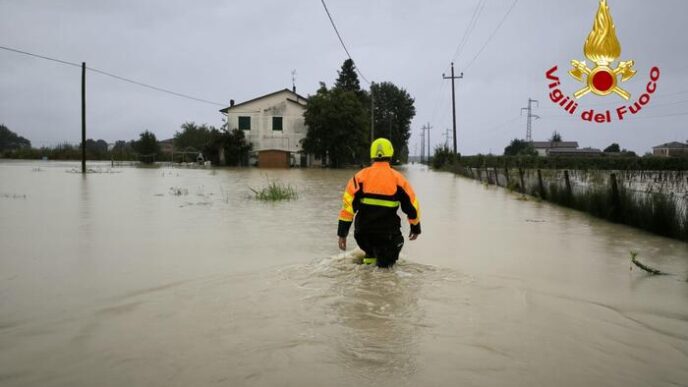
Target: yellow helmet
[381, 148]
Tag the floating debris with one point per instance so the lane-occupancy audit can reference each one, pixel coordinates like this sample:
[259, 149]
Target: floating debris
[12, 196]
[178, 191]
[651, 270]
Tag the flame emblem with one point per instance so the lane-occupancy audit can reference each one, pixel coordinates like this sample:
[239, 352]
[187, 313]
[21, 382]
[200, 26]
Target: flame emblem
[602, 48]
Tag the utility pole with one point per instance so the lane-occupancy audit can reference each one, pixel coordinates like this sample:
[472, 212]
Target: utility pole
[452, 77]
[422, 145]
[83, 117]
[446, 138]
[425, 128]
[529, 123]
[428, 127]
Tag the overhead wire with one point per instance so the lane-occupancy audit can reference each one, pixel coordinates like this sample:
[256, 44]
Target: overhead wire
[341, 40]
[118, 77]
[469, 28]
[492, 35]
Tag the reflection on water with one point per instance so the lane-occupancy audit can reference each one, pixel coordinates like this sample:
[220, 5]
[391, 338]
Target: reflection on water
[115, 279]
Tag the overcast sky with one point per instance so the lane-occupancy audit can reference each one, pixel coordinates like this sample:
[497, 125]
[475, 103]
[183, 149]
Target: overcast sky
[236, 49]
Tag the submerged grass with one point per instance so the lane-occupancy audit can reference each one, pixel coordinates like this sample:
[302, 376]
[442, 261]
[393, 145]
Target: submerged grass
[275, 191]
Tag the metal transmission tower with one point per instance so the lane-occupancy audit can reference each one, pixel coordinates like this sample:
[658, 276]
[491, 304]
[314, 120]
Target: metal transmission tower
[452, 77]
[446, 138]
[529, 124]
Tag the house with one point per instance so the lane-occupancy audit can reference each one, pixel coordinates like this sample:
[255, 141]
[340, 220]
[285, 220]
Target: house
[167, 146]
[543, 147]
[671, 149]
[585, 152]
[274, 124]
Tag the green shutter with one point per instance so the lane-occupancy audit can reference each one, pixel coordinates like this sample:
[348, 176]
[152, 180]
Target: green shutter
[244, 123]
[276, 123]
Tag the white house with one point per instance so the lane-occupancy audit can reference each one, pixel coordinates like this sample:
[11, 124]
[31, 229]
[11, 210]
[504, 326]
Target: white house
[273, 123]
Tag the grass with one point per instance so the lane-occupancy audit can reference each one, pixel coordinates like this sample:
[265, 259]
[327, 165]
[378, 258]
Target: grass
[275, 192]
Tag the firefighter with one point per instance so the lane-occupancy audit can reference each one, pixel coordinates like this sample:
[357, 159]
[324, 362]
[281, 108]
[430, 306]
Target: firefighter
[372, 197]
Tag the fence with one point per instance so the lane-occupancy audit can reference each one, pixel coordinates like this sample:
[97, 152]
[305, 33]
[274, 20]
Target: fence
[656, 201]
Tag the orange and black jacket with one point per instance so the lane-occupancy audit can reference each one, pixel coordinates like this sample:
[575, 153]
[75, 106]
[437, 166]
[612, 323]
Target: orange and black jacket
[374, 194]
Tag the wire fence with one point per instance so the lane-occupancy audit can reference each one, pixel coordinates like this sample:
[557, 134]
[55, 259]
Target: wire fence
[656, 201]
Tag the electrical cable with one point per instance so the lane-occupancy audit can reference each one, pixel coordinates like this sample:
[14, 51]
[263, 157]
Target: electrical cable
[491, 35]
[341, 40]
[118, 77]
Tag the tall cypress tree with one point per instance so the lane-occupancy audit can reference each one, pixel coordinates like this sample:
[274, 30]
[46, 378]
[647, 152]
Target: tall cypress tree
[348, 79]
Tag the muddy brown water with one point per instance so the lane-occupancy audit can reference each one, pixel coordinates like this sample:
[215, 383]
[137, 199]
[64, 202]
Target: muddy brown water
[176, 277]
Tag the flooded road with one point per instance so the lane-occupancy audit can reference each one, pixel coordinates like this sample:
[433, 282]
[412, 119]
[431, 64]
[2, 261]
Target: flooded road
[176, 277]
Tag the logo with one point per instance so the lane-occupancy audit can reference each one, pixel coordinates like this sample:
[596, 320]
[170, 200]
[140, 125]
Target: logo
[602, 48]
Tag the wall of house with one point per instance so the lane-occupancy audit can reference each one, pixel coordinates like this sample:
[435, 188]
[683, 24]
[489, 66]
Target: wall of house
[261, 135]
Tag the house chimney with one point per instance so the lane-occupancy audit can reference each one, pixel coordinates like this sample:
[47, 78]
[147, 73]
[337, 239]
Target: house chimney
[293, 89]
[231, 102]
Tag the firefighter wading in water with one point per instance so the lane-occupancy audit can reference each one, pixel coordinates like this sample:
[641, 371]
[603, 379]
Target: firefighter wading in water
[373, 195]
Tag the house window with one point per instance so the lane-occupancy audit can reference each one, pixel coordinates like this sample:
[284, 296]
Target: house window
[276, 123]
[244, 123]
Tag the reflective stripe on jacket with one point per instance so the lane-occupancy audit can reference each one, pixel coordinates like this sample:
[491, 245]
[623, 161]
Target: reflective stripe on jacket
[374, 194]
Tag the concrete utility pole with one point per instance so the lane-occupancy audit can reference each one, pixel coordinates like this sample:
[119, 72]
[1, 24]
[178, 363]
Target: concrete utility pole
[452, 77]
[83, 117]
[428, 127]
[529, 123]
[422, 145]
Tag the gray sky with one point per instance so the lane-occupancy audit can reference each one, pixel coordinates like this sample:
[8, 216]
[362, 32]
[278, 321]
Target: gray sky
[217, 50]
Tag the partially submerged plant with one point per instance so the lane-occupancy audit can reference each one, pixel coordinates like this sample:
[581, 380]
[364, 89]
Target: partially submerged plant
[275, 191]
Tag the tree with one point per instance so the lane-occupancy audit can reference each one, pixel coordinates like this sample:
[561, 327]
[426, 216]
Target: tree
[337, 126]
[520, 148]
[147, 146]
[194, 136]
[393, 113]
[236, 147]
[556, 137]
[348, 79]
[11, 141]
[614, 147]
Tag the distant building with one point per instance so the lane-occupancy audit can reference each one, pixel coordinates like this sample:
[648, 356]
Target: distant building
[543, 147]
[274, 124]
[167, 146]
[671, 149]
[590, 152]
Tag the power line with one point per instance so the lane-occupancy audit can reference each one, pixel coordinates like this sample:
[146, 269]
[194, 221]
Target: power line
[469, 28]
[491, 35]
[342, 41]
[118, 77]
[40, 56]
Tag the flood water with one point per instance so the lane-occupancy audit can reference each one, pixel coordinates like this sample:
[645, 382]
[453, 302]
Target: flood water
[176, 277]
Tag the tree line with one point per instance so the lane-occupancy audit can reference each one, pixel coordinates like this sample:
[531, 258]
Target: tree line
[191, 140]
[339, 119]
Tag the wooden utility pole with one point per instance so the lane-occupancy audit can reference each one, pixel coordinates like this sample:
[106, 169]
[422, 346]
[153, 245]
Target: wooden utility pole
[83, 117]
[452, 77]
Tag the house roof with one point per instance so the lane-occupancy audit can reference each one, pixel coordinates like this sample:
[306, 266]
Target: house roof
[570, 151]
[672, 145]
[552, 144]
[225, 110]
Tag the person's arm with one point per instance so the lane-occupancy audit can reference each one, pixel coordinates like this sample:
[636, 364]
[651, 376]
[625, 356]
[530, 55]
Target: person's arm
[346, 214]
[409, 204]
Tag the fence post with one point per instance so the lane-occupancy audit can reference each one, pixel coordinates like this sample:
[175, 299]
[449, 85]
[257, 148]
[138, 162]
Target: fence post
[506, 175]
[615, 204]
[542, 186]
[568, 182]
[523, 184]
